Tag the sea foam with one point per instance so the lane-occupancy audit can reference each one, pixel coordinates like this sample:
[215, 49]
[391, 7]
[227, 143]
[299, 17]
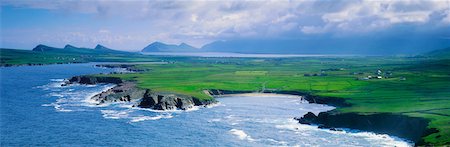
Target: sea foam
[241, 135]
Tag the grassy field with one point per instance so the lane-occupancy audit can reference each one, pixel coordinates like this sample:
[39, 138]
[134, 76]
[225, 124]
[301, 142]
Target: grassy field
[414, 86]
[13, 57]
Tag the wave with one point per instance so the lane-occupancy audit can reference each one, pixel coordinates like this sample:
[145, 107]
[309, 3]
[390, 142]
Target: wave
[128, 114]
[218, 104]
[57, 107]
[77, 97]
[282, 143]
[74, 96]
[215, 120]
[56, 83]
[381, 139]
[57, 80]
[115, 114]
[241, 135]
[144, 118]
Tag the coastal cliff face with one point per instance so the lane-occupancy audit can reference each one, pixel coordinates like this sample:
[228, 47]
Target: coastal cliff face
[126, 91]
[166, 101]
[123, 92]
[411, 128]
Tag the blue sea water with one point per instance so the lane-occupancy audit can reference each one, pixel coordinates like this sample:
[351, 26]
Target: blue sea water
[36, 111]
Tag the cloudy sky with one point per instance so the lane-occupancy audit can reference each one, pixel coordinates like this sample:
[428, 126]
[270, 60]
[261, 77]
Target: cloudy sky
[132, 25]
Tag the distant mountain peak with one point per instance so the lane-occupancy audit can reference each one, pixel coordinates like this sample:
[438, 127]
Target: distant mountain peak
[162, 47]
[101, 47]
[157, 42]
[42, 48]
[184, 45]
[68, 46]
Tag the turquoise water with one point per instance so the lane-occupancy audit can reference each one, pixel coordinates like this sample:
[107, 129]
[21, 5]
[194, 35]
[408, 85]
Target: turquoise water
[37, 111]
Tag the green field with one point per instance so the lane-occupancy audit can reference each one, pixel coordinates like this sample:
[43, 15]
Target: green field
[11, 57]
[413, 86]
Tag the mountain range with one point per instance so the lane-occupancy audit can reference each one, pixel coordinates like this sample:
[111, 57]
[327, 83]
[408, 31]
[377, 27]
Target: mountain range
[99, 49]
[270, 47]
[162, 47]
[309, 46]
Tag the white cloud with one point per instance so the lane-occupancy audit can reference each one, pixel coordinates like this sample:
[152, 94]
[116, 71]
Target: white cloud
[199, 22]
[446, 18]
[312, 29]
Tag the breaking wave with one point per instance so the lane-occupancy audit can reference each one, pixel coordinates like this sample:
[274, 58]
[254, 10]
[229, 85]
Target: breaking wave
[241, 135]
[77, 97]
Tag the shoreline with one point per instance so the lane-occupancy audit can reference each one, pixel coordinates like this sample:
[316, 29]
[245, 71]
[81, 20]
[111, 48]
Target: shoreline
[382, 123]
[99, 63]
[255, 94]
[392, 124]
[40, 64]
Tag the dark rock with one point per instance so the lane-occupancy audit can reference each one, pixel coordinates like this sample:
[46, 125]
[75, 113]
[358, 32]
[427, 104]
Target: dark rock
[166, 101]
[125, 92]
[308, 118]
[218, 92]
[94, 80]
[411, 128]
[148, 101]
[332, 101]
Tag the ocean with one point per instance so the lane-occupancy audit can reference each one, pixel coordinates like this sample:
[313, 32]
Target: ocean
[37, 111]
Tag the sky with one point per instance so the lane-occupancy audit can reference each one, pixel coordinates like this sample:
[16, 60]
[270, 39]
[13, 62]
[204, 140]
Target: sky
[132, 25]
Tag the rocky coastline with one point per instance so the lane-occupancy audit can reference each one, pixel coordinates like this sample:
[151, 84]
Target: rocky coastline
[127, 91]
[411, 128]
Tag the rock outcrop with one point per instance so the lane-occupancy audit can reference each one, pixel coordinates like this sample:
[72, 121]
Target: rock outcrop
[336, 102]
[90, 80]
[411, 128]
[127, 91]
[123, 92]
[218, 92]
[160, 101]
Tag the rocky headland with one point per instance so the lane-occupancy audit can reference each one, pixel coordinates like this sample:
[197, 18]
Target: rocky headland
[127, 91]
